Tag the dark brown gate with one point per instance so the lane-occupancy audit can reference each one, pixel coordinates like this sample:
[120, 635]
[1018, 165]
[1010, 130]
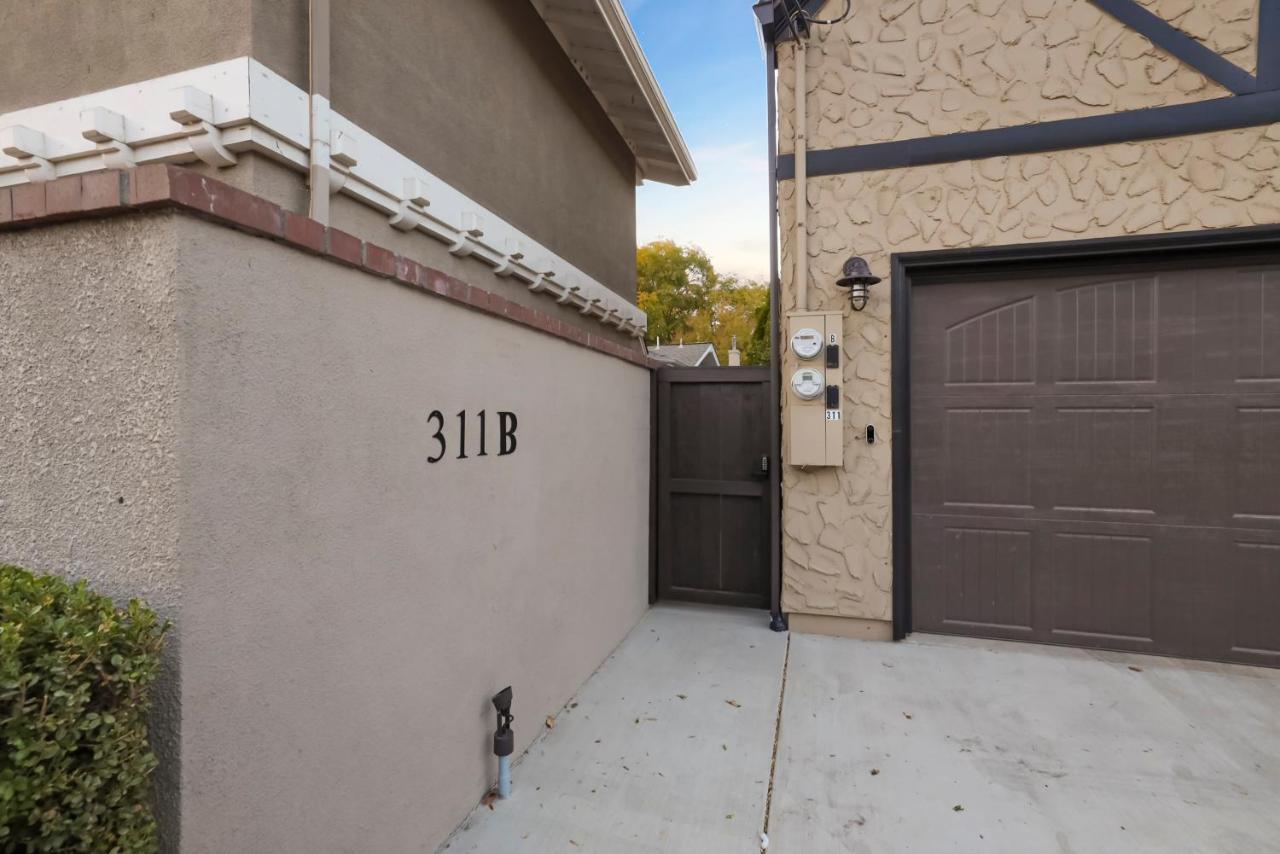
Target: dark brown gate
[713, 482]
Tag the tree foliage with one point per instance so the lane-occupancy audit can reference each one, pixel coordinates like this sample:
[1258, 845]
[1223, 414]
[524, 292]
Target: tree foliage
[687, 299]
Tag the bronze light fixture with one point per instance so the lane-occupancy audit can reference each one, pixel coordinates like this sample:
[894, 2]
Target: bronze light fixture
[857, 277]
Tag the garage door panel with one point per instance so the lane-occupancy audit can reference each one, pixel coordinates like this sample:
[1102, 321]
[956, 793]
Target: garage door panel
[1095, 461]
[987, 457]
[1102, 588]
[1254, 592]
[1108, 456]
[1106, 332]
[1255, 498]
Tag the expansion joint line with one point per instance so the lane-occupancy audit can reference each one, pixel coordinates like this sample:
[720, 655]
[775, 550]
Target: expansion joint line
[777, 737]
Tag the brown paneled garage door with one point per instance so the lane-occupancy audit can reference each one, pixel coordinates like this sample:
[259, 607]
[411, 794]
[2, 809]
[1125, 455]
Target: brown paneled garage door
[1095, 461]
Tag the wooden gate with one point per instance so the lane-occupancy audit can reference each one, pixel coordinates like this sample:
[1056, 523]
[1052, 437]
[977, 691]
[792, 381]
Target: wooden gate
[713, 464]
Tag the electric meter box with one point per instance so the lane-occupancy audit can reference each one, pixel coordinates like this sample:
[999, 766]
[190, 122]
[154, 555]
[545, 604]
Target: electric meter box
[812, 375]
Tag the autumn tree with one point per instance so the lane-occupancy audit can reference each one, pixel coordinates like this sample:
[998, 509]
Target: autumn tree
[685, 298]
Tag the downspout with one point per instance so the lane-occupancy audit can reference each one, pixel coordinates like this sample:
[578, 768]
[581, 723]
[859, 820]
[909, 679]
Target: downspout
[318, 84]
[777, 622]
[802, 174]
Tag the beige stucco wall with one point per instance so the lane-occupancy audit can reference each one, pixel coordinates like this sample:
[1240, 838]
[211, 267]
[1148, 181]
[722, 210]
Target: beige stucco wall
[345, 608]
[837, 526]
[89, 468]
[912, 68]
[351, 607]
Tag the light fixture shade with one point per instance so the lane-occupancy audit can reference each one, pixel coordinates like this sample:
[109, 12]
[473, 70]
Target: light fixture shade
[858, 278]
[857, 272]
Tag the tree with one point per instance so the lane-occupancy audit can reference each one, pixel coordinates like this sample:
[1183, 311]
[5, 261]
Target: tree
[759, 350]
[686, 299]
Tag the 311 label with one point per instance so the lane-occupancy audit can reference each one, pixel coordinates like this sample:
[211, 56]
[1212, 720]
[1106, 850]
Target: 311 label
[506, 424]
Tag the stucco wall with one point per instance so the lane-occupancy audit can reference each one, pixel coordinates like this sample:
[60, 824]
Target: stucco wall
[344, 608]
[905, 69]
[89, 469]
[478, 92]
[482, 94]
[837, 523]
[349, 607]
[58, 49]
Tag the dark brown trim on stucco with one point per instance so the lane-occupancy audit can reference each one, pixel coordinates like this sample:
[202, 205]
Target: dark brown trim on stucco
[162, 186]
[1232, 113]
[1178, 44]
[1254, 244]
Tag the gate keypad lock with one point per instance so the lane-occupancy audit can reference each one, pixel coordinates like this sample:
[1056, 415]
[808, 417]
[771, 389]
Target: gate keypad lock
[814, 425]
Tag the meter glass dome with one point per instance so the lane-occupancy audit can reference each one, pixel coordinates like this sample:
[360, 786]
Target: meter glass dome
[806, 343]
[807, 383]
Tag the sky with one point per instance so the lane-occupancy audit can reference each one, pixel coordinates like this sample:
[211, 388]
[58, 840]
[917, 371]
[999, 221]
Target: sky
[706, 56]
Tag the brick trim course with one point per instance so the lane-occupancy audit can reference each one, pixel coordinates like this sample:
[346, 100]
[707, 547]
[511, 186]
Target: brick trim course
[160, 186]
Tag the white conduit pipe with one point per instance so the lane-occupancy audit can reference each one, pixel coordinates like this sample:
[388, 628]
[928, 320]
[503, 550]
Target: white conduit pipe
[802, 174]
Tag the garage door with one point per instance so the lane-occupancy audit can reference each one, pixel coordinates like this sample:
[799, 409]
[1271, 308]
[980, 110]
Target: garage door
[1095, 461]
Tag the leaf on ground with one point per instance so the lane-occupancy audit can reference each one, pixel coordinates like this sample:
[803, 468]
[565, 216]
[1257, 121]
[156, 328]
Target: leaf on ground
[1135, 668]
[875, 771]
[488, 799]
[551, 721]
[683, 696]
[907, 715]
[734, 703]
[729, 816]
[957, 808]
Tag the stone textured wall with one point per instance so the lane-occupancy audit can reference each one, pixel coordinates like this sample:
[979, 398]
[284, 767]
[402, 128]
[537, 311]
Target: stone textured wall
[904, 69]
[836, 523]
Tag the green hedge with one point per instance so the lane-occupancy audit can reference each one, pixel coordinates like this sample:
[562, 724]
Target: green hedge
[75, 686]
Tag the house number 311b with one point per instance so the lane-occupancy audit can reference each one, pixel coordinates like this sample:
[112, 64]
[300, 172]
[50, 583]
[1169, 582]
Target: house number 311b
[506, 439]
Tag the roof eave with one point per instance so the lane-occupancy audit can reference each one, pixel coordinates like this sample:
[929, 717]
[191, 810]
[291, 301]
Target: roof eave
[632, 99]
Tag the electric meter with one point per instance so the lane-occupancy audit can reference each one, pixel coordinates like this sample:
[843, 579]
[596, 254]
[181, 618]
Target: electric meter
[808, 383]
[806, 343]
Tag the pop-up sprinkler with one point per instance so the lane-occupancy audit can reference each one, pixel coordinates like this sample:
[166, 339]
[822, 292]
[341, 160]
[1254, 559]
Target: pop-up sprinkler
[504, 740]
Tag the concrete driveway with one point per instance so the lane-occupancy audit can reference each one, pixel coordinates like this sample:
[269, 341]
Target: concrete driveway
[678, 744]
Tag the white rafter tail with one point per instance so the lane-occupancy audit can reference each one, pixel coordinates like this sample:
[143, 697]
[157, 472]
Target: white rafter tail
[406, 218]
[472, 227]
[462, 246]
[344, 154]
[194, 109]
[567, 294]
[30, 148]
[473, 223]
[510, 265]
[418, 192]
[108, 130]
[591, 305]
[545, 275]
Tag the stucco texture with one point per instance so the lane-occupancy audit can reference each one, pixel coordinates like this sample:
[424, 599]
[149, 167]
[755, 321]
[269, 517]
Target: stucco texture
[350, 607]
[904, 69]
[345, 608]
[89, 469]
[837, 524]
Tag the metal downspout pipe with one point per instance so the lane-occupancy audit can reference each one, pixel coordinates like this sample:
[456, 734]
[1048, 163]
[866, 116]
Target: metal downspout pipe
[318, 109]
[801, 248]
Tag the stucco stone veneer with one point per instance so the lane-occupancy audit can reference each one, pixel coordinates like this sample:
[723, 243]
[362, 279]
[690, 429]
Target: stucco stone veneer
[992, 61]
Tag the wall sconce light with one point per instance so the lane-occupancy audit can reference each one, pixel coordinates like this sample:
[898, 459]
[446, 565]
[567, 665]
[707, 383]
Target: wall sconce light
[858, 279]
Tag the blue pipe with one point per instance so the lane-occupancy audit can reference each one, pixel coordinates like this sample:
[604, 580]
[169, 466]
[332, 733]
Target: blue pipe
[504, 776]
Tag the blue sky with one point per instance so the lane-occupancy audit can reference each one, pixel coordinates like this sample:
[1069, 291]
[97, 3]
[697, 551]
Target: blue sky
[707, 58]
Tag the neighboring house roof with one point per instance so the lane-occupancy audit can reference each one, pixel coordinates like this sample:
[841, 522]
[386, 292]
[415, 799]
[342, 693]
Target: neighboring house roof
[598, 39]
[697, 355]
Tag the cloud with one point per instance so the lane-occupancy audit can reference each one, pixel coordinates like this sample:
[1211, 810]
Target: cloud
[726, 212]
